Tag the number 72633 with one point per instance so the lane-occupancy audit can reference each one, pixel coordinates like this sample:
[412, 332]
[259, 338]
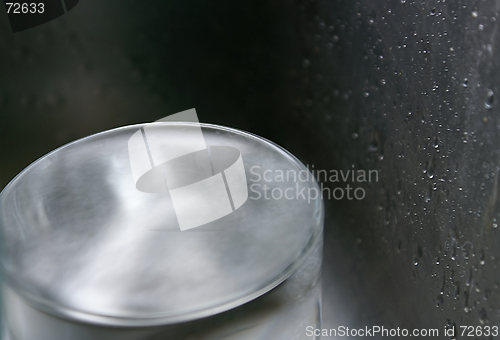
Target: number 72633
[24, 8]
[479, 331]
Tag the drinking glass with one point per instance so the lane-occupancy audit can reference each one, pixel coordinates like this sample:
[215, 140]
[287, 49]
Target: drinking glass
[167, 230]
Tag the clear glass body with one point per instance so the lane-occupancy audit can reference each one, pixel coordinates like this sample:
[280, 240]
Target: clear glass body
[88, 253]
[282, 313]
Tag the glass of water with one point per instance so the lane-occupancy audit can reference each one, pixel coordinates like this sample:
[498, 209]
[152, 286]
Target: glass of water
[162, 231]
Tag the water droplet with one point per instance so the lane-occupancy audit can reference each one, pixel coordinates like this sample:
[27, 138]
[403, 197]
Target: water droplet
[428, 195]
[373, 146]
[440, 300]
[481, 261]
[489, 100]
[465, 83]
[429, 168]
[456, 292]
[469, 279]
[335, 38]
[466, 302]
[474, 14]
[480, 27]
[306, 63]
[366, 94]
[403, 1]
[433, 11]
[382, 82]
[483, 317]
[354, 135]
[418, 256]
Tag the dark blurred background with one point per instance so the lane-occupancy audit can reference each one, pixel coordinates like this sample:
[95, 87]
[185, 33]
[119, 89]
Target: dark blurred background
[408, 88]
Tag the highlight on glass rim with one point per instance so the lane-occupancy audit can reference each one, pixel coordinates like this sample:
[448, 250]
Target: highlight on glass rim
[248, 170]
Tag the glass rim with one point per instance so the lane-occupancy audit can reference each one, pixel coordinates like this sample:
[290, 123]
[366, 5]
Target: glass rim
[158, 319]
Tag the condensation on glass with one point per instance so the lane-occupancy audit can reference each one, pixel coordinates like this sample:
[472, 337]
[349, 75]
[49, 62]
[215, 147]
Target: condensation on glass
[86, 255]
